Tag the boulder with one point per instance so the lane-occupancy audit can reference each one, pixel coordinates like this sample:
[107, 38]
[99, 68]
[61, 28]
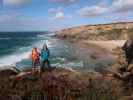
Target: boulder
[121, 64]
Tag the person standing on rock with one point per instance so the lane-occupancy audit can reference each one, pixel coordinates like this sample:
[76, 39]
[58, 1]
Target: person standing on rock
[45, 53]
[35, 58]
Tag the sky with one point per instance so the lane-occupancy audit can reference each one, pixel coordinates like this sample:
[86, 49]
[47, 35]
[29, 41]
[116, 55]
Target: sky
[51, 15]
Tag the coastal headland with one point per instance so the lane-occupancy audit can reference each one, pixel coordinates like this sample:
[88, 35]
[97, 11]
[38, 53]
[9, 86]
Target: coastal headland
[106, 83]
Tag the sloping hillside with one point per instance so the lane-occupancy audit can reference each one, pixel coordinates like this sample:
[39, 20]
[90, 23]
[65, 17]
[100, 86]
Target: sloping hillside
[112, 31]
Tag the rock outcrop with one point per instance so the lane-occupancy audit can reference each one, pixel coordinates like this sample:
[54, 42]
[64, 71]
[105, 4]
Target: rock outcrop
[124, 64]
[112, 31]
[58, 84]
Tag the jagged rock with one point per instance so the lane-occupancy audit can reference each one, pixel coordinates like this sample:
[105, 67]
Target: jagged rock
[123, 66]
[56, 82]
[64, 84]
[130, 68]
[128, 49]
[121, 63]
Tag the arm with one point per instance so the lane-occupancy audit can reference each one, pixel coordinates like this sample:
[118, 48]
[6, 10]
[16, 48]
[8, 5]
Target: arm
[48, 53]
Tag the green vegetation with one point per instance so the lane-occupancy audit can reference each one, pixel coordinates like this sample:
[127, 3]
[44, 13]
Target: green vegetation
[113, 34]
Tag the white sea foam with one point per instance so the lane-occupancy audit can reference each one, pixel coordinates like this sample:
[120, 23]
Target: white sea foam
[40, 44]
[21, 53]
[69, 64]
[41, 36]
[7, 38]
[13, 59]
[24, 53]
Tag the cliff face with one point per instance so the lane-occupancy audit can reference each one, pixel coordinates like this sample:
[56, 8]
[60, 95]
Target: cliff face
[112, 31]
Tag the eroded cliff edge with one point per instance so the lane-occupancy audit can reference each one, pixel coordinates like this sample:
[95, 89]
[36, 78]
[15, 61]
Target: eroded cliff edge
[112, 31]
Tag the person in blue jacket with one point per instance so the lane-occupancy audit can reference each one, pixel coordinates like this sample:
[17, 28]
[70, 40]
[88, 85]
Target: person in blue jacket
[45, 53]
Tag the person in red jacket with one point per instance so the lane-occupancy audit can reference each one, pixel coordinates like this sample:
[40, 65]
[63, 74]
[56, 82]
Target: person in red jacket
[35, 58]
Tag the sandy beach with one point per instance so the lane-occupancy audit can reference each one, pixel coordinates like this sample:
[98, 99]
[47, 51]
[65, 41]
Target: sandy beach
[97, 49]
[109, 45]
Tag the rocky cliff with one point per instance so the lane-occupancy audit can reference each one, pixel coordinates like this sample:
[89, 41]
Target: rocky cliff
[113, 31]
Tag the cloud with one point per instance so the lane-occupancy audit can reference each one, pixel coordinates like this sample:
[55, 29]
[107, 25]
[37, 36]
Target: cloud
[8, 16]
[61, 16]
[5, 17]
[122, 6]
[55, 10]
[1, 3]
[15, 3]
[63, 1]
[12, 21]
[58, 13]
[118, 6]
[92, 11]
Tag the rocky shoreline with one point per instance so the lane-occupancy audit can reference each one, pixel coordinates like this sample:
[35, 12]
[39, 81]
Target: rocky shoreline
[61, 84]
[66, 84]
[109, 40]
[114, 82]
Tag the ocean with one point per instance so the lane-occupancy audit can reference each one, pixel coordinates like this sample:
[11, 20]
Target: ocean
[15, 49]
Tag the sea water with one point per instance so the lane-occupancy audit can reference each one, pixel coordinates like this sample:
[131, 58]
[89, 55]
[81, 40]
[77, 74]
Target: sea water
[16, 47]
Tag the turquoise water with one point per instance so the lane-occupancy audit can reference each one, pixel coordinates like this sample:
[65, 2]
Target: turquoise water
[15, 49]
[10, 42]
